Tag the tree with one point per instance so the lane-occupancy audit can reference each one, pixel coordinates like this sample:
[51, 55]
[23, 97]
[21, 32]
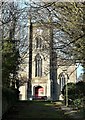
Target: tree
[67, 19]
[10, 52]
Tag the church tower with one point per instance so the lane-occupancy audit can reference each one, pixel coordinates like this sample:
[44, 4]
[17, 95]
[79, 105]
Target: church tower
[44, 79]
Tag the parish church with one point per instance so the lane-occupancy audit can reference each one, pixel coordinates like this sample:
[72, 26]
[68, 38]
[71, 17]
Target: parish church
[48, 76]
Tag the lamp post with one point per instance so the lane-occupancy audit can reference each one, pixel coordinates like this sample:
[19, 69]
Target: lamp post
[67, 77]
[51, 91]
[66, 91]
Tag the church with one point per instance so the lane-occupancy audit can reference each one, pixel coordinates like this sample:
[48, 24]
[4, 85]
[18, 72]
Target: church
[47, 76]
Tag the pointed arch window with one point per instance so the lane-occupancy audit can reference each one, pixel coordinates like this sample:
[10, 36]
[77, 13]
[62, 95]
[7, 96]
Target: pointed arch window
[61, 80]
[38, 66]
[38, 42]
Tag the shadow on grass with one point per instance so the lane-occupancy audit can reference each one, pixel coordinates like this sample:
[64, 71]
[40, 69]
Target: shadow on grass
[24, 110]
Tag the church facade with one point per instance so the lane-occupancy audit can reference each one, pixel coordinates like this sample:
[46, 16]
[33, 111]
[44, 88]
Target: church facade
[48, 78]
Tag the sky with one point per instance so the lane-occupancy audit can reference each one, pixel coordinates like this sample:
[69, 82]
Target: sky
[79, 70]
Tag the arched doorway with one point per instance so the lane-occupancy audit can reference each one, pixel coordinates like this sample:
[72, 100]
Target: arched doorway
[38, 91]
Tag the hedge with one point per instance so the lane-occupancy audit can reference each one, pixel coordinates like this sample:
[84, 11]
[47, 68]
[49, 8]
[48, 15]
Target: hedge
[9, 97]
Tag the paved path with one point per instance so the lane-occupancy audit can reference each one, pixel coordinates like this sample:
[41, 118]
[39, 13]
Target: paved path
[71, 113]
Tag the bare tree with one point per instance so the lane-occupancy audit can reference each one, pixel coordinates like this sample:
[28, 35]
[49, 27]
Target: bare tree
[65, 19]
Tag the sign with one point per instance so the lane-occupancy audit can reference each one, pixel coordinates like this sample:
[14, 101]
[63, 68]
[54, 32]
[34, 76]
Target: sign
[41, 91]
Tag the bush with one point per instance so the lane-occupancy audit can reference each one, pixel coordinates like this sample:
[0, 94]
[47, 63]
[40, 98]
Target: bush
[9, 97]
[76, 93]
[77, 103]
[71, 91]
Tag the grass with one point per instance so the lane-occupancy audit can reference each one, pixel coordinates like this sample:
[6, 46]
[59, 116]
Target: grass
[41, 110]
[37, 109]
[34, 109]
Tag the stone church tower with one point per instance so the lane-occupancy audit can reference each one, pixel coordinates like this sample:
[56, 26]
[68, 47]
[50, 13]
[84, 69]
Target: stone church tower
[47, 81]
[44, 75]
[48, 78]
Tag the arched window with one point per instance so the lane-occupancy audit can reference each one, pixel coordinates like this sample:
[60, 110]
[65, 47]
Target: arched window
[38, 42]
[38, 66]
[61, 80]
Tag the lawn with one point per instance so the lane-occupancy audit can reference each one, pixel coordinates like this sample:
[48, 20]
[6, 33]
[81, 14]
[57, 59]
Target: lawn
[25, 110]
[34, 109]
[41, 109]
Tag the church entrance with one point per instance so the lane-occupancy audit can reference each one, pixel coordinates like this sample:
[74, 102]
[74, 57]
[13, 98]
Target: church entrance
[38, 92]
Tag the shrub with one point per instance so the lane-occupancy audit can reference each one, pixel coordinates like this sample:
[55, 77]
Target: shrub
[9, 97]
[77, 103]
